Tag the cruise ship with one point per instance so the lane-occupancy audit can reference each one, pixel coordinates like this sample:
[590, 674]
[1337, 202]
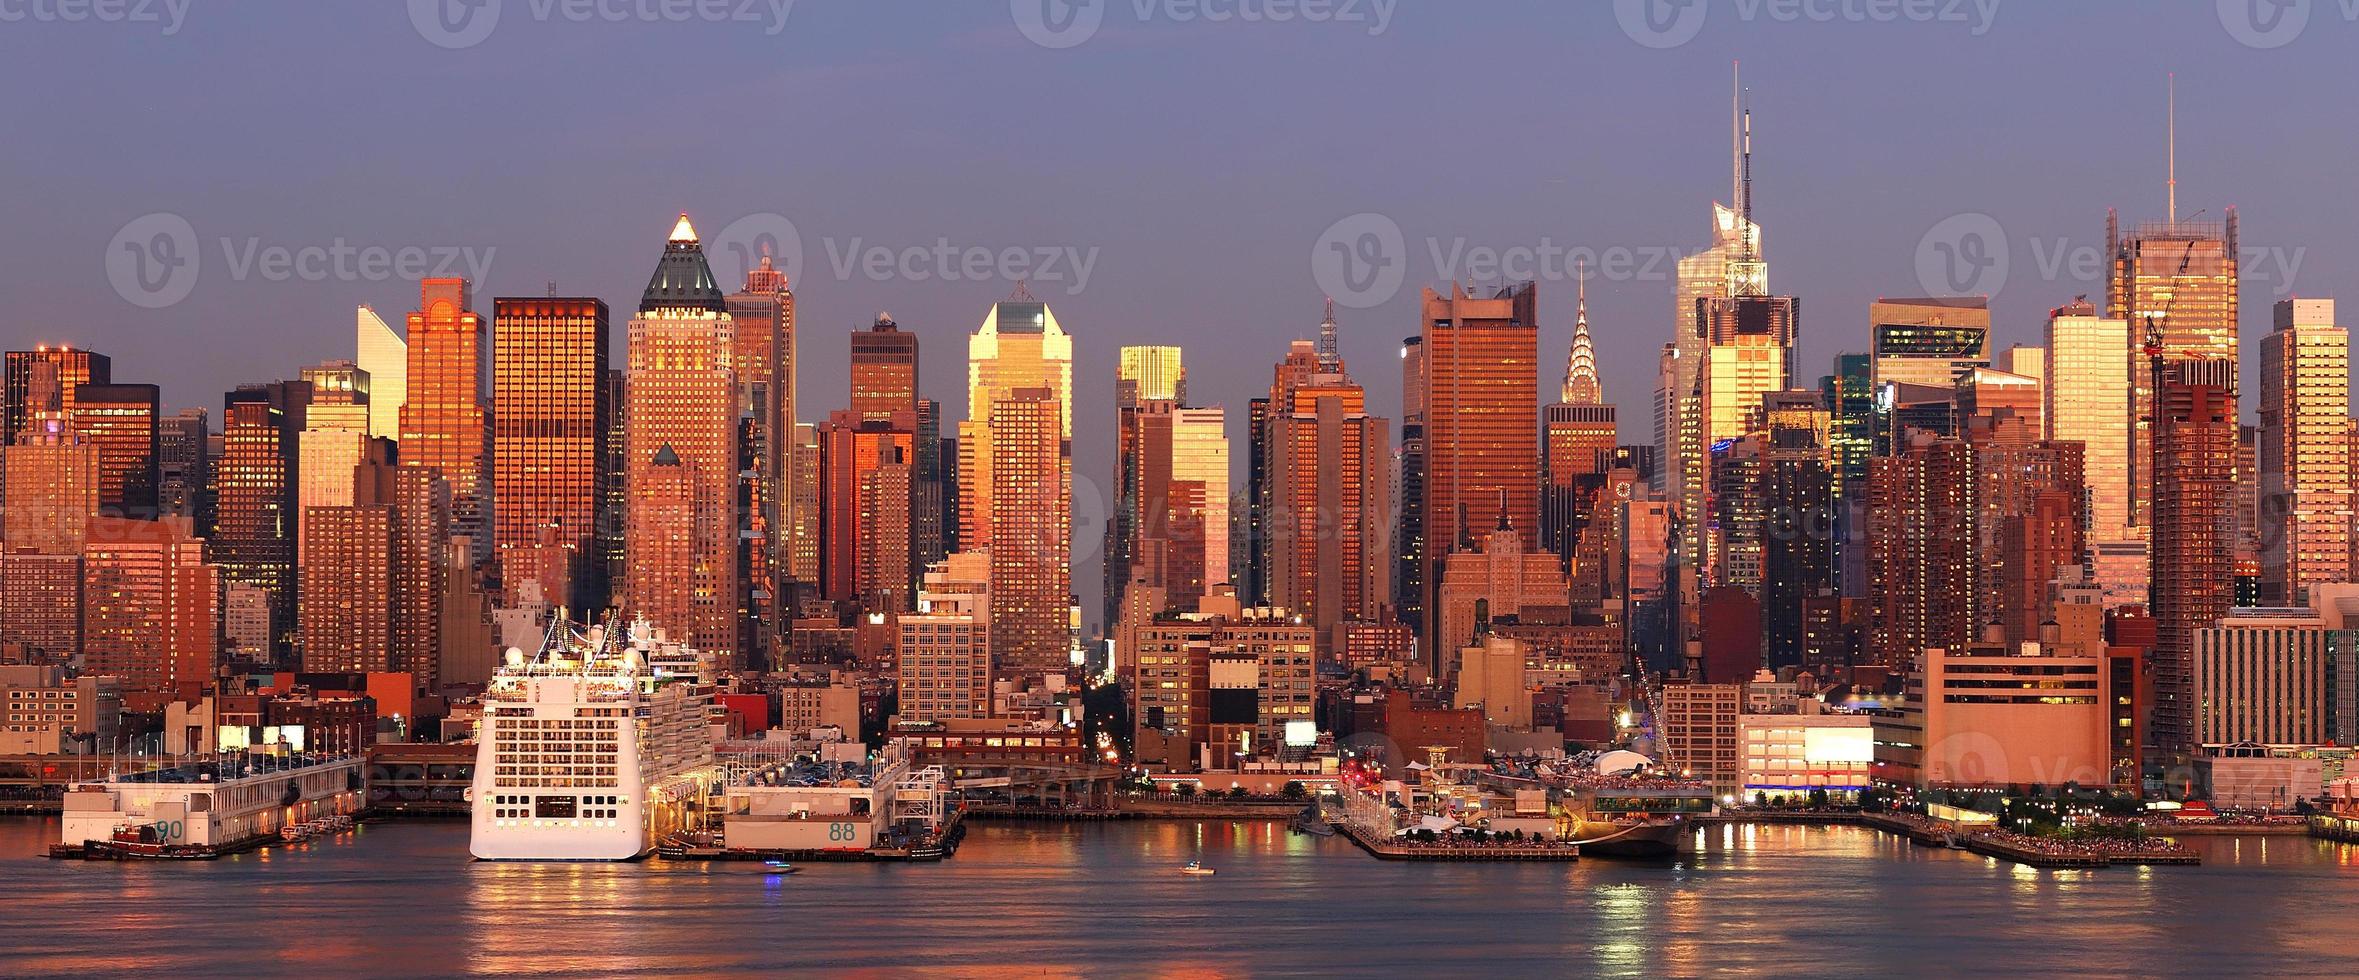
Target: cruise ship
[595, 748]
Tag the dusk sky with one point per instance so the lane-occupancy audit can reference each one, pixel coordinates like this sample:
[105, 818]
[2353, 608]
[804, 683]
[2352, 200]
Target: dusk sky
[1193, 163]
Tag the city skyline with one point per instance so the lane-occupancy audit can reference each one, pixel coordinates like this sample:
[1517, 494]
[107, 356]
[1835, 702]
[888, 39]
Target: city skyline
[1639, 194]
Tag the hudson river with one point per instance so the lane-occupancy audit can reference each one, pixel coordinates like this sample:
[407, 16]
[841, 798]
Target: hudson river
[1106, 899]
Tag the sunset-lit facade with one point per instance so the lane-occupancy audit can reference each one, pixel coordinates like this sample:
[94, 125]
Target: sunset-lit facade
[1482, 403]
[851, 451]
[550, 422]
[385, 357]
[2176, 281]
[681, 406]
[1328, 527]
[151, 605]
[255, 495]
[2088, 401]
[1031, 521]
[446, 412]
[43, 382]
[120, 423]
[2305, 451]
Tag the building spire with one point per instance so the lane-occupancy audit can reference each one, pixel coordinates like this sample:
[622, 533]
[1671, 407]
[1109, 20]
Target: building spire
[1581, 386]
[1330, 353]
[1736, 137]
[2171, 131]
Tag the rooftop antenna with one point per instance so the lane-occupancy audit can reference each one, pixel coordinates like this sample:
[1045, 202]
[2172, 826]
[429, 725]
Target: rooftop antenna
[552, 288]
[2171, 134]
[1330, 354]
[1745, 174]
[1736, 138]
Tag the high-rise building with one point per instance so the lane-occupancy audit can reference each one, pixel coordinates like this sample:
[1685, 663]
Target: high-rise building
[41, 604]
[1482, 396]
[804, 534]
[51, 480]
[1748, 356]
[881, 568]
[1578, 432]
[446, 414]
[884, 369]
[1930, 341]
[1329, 503]
[2174, 282]
[852, 449]
[764, 362]
[2088, 396]
[2305, 450]
[347, 572]
[551, 420]
[334, 441]
[257, 481]
[385, 358]
[1145, 379]
[2194, 464]
[680, 419]
[120, 423]
[1408, 539]
[1030, 528]
[184, 468]
[422, 575]
[945, 653]
[1019, 346]
[151, 605]
[1301, 362]
[43, 382]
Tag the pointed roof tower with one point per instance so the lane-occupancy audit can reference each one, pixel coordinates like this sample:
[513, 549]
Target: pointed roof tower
[682, 280]
[1581, 386]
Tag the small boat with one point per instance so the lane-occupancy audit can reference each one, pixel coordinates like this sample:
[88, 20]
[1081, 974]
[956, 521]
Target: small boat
[1197, 868]
[778, 867]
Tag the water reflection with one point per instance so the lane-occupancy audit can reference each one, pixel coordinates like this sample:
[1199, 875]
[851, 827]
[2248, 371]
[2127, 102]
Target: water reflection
[1089, 900]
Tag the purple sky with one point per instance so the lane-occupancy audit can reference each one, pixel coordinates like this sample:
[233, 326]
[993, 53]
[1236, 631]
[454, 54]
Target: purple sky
[1197, 160]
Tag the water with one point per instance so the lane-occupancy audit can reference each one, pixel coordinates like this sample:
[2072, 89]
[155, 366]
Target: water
[1106, 899]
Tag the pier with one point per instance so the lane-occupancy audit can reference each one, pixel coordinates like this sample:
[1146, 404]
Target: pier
[1391, 850]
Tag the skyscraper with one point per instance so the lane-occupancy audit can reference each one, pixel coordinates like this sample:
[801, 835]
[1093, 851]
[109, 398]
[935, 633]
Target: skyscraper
[51, 477]
[335, 439]
[1482, 396]
[852, 448]
[256, 507]
[184, 468]
[884, 369]
[1019, 346]
[119, 420]
[680, 419]
[446, 413]
[347, 572]
[385, 357]
[2194, 464]
[1931, 341]
[43, 381]
[1143, 376]
[551, 420]
[2174, 283]
[1577, 430]
[1030, 522]
[1329, 535]
[764, 362]
[2089, 401]
[2305, 465]
[151, 605]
